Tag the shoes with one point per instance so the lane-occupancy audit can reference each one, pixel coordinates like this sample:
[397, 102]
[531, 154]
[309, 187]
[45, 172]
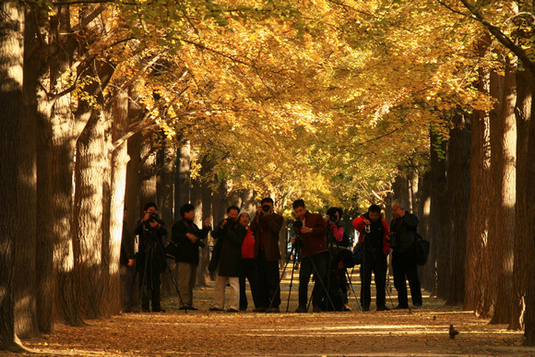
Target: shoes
[243, 308]
[259, 309]
[192, 308]
[365, 308]
[346, 308]
[145, 309]
[232, 310]
[419, 307]
[382, 308]
[158, 309]
[401, 307]
[183, 307]
[215, 309]
[317, 309]
[130, 310]
[301, 309]
[273, 310]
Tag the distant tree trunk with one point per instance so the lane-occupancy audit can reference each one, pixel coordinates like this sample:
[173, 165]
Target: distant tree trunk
[523, 274]
[439, 216]
[476, 268]
[166, 159]
[206, 169]
[182, 179]
[503, 180]
[458, 193]
[11, 69]
[113, 297]
[147, 175]
[429, 273]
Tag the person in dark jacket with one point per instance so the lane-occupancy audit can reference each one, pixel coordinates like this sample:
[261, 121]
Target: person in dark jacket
[266, 226]
[188, 237]
[150, 259]
[373, 238]
[315, 257]
[227, 260]
[404, 226]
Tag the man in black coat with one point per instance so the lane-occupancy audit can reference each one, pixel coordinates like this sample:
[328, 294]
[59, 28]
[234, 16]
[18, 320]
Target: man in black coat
[189, 238]
[150, 259]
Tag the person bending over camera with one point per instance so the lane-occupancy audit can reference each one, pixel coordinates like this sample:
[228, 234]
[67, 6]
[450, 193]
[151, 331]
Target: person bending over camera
[189, 238]
[311, 237]
[403, 228]
[150, 258]
[373, 238]
[266, 226]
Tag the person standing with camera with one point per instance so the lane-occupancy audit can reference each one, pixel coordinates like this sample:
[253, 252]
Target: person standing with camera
[150, 259]
[188, 238]
[226, 260]
[373, 238]
[403, 228]
[266, 226]
[311, 236]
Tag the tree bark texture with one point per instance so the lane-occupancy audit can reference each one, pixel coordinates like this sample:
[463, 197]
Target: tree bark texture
[11, 77]
[503, 181]
[458, 194]
[476, 267]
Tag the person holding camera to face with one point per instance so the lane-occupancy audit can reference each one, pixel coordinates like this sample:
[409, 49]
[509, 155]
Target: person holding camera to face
[403, 228]
[373, 238]
[266, 226]
[312, 232]
[189, 238]
[226, 260]
[150, 258]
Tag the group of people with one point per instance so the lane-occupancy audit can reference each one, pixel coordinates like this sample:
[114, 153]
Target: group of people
[247, 248]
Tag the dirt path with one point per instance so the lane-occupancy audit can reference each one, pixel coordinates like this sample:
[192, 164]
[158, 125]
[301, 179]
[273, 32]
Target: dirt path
[202, 333]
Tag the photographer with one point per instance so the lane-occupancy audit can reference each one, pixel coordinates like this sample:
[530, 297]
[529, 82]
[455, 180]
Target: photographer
[189, 238]
[338, 242]
[404, 227]
[266, 226]
[226, 260]
[311, 232]
[373, 238]
[150, 259]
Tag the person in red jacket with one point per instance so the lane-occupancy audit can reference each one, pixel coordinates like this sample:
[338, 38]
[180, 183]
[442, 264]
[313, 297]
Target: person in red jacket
[314, 256]
[373, 238]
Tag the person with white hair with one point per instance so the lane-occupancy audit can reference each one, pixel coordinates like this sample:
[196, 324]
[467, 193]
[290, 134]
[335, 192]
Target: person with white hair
[403, 228]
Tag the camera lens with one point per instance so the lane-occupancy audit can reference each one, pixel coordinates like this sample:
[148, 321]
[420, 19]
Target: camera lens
[265, 208]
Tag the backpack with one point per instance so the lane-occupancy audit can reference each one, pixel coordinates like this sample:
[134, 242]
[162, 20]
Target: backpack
[421, 247]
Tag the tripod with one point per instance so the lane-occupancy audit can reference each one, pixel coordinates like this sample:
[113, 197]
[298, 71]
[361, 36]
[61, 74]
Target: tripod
[298, 242]
[151, 272]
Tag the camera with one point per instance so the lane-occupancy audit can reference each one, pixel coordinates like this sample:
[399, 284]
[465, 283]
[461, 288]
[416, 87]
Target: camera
[201, 243]
[230, 222]
[333, 217]
[153, 216]
[266, 208]
[392, 237]
[297, 224]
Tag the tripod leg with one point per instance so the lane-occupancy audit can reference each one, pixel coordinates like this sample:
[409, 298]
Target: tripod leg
[352, 289]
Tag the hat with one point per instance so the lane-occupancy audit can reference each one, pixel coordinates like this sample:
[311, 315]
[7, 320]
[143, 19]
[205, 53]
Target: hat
[243, 212]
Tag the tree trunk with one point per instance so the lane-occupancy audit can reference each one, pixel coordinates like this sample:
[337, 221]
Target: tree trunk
[429, 273]
[524, 249]
[476, 267]
[440, 212]
[11, 60]
[165, 180]
[458, 193]
[503, 180]
[182, 179]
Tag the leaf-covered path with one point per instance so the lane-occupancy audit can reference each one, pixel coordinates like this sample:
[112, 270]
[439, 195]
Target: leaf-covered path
[203, 333]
